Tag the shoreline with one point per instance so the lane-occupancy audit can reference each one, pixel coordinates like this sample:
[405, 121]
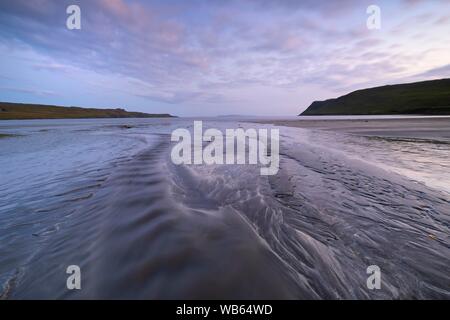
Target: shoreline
[399, 127]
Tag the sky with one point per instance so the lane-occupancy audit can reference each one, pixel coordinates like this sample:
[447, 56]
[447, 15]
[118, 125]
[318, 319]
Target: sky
[206, 58]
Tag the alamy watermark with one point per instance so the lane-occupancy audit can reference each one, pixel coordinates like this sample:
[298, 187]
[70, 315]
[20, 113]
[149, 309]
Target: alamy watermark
[74, 280]
[228, 148]
[374, 20]
[73, 21]
[374, 280]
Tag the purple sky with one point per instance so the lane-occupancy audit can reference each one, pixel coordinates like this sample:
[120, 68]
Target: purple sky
[192, 57]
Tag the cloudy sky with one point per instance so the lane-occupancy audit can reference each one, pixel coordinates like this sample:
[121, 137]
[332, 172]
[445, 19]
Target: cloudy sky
[192, 57]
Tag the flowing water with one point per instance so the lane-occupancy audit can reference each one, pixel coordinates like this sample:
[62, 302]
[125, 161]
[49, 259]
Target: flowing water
[104, 195]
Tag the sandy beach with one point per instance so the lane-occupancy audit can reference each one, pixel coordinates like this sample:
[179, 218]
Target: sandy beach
[421, 128]
[139, 226]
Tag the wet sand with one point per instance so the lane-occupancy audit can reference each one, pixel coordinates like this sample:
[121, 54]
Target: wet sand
[424, 128]
[139, 226]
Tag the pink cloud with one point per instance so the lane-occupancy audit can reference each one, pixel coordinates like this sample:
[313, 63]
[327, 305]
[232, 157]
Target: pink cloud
[117, 7]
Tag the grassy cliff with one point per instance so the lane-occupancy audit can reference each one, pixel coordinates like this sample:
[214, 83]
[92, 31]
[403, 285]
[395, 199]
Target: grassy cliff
[426, 97]
[15, 111]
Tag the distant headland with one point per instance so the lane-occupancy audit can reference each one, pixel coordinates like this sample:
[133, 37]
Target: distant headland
[419, 98]
[18, 111]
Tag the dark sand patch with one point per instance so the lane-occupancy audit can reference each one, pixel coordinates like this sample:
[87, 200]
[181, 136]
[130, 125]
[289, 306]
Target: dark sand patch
[5, 135]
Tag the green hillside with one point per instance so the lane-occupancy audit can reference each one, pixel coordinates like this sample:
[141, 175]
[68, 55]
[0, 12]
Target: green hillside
[426, 97]
[15, 111]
